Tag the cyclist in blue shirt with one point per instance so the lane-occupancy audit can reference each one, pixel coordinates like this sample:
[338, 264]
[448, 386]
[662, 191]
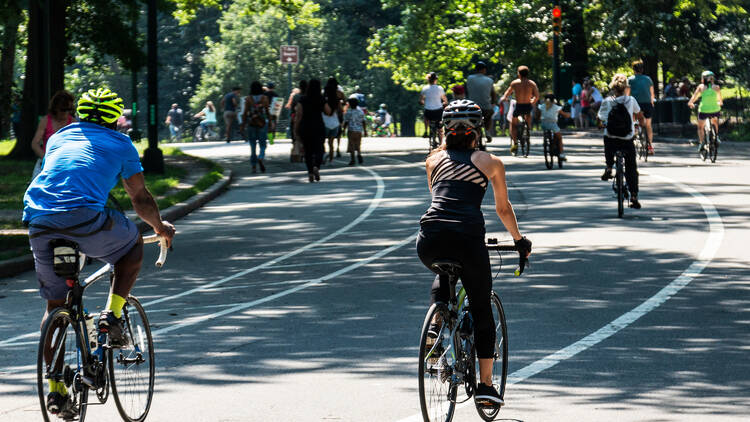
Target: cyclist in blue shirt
[642, 89]
[66, 200]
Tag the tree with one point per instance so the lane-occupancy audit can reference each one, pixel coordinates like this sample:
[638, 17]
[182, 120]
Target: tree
[11, 17]
[74, 25]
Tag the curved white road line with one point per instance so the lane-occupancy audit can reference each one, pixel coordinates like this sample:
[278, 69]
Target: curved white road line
[374, 203]
[713, 242]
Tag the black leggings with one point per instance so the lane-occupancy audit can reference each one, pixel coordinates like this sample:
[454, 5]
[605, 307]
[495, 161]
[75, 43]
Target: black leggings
[314, 150]
[611, 146]
[476, 277]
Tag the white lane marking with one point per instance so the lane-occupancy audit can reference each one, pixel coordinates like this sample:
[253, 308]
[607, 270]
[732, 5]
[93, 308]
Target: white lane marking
[374, 203]
[312, 282]
[713, 242]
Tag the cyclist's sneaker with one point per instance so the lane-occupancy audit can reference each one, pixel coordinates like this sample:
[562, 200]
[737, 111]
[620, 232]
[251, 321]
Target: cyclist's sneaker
[513, 148]
[432, 332]
[650, 150]
[486, 395]
[426, 135]
[60, 405]
[489, 139]
[562, 157]
[700, 146]
[110, 324]
[634, 202]
[607, 174]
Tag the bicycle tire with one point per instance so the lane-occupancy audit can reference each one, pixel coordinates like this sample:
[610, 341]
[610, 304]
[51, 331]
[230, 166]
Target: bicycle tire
[713, 147]
[500, 367]
[644, 147]
[620, 187]
[60, 317]
[437, 396]
[548, 157]
[525, 140]
[125, 365]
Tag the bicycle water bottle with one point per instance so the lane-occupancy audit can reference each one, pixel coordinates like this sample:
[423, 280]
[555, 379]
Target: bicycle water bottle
[90, 329]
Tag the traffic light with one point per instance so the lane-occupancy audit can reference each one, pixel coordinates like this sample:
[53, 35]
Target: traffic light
[556, 20]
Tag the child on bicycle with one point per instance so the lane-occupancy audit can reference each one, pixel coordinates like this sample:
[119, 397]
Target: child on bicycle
[550, 111]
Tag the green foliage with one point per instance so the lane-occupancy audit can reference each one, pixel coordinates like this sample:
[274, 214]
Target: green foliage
[295, 12]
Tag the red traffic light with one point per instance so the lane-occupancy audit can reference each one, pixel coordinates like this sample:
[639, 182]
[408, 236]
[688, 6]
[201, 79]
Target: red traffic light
[556, 12]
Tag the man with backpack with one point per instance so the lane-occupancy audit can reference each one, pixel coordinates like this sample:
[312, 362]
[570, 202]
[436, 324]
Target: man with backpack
[618, 114]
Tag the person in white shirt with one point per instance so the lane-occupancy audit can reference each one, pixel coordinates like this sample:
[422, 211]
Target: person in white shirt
[618, 114]
[550, 111]
[433, 99]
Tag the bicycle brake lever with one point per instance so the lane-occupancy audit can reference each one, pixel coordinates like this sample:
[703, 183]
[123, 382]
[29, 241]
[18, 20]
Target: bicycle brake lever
[523, 262]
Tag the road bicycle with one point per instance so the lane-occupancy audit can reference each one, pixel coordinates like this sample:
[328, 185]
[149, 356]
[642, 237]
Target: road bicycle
[641, 143]
[209, 133]
[551, 150]
[710, 146]
[619, 185]
[433, 127]
[447, 356]
[73, 352]
[523, 135]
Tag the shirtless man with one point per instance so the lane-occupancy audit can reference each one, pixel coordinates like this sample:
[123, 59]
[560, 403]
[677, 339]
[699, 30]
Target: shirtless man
[527, 96]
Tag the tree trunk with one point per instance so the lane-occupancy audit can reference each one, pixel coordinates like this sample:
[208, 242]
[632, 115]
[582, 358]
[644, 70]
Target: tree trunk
[45, 68]
[7, 63]
[406, 121]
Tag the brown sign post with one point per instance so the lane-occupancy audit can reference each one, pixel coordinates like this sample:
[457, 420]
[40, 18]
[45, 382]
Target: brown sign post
[289, 54]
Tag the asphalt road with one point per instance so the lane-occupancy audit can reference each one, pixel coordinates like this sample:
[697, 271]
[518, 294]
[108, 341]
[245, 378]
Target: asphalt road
[285, 300]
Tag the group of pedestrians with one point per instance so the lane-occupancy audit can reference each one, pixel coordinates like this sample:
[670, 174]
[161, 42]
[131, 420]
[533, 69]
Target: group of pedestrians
[319, 114]
[251, 117]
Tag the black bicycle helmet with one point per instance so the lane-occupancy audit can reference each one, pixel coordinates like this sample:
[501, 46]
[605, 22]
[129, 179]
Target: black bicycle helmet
[462, 113]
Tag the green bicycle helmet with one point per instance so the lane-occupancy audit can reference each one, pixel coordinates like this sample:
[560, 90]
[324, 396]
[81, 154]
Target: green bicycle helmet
[100, 106]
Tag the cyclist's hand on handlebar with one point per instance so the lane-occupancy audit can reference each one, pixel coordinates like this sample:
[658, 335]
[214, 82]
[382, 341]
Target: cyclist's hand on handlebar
[167, 231]
[523, 246]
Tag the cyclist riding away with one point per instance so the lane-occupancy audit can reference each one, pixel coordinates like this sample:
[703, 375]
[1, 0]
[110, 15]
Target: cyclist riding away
[710, 106]
[618, 114]
[527, 96]
[550, 111]
[67, 200]
[480, 88]
[433, 99]
[453, 226]
[642, 89]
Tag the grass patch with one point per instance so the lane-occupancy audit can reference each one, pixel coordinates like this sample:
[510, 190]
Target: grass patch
[740, 132]
[14, 246]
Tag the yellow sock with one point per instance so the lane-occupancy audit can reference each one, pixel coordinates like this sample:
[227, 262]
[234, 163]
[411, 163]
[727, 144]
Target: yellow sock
[57, 387]
[115, 304]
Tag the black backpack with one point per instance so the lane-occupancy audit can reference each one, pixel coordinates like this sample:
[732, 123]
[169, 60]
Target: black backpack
[619, 122]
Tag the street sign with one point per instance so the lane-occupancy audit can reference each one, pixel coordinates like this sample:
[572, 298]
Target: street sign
[289, 54]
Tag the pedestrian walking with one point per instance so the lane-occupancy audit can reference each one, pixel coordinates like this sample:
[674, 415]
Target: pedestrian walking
[59, 115]
[230, 102]
[354, 124]
[270, 94]
[175, 119]
[331, 120]
[255, 121]
[310, 127]
[297, 153]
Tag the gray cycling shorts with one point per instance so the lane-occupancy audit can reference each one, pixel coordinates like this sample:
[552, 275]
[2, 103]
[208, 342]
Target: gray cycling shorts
[115, 236]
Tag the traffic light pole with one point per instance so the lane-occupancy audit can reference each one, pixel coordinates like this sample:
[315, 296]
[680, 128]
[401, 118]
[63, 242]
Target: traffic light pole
[556, 65]
[153, 159]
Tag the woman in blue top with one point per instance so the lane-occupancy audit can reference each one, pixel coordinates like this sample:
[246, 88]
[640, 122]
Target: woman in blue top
[453, 226]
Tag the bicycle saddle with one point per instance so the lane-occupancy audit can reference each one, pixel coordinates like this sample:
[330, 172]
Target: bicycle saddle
[446, 266]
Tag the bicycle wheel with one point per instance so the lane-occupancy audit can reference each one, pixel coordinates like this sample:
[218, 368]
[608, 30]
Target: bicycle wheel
[548, 157]
[500, 367]
[620, 187]
[525, 139]
[713, 146]
[131, 368]
[59, 359]
[437, 395]
[644, 147]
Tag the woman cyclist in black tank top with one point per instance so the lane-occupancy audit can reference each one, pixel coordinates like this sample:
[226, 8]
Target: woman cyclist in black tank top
[453, 226]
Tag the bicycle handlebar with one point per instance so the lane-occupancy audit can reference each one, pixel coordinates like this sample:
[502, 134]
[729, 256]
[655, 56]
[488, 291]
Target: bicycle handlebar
[154, 238]
[522, 260]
